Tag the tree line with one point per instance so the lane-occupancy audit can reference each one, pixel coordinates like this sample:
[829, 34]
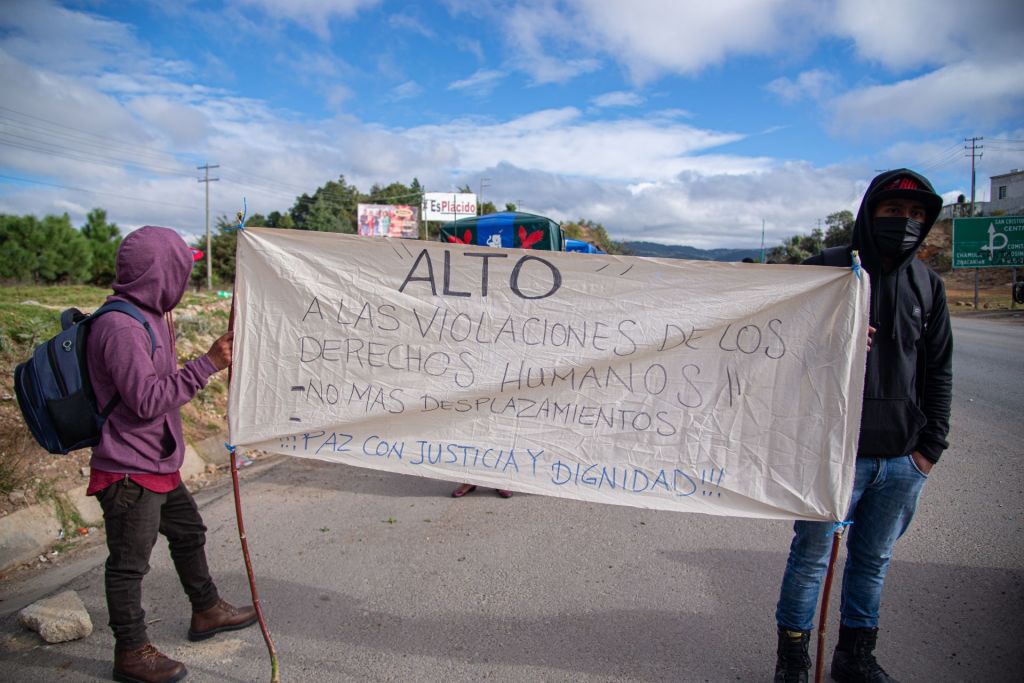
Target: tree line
[838, 232]
[52, 251]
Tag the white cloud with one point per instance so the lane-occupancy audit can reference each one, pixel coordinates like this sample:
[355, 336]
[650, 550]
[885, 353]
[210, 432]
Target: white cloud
[406, 91]
[314, 15]
[471, 46]
[482, 81]
[655, 176]
[532, 30]
[337, 95]
[618, 99]
[705, 211]
[184, 125]
[561, 141]
[652, 37]
[914, 33]
[813, 85]
[409, 24]
[987, 92]
[45, 34]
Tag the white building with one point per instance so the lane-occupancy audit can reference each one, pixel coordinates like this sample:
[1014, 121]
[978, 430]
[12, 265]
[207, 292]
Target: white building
[963, 210]
[1007, 193]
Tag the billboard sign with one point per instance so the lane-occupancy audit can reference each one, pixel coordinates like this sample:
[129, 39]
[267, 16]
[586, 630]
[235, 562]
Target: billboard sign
[388, 220]
[448, 206]
[989, 242]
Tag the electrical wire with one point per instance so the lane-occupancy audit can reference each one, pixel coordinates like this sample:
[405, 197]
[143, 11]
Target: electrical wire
[98, 192]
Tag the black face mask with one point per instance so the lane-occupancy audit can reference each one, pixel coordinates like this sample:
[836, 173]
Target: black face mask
[896, 236]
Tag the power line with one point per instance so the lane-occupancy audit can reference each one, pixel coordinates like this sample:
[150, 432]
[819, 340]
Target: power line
[944, 161]
[98, 192]
[88, 157]
[105, 140]
[924, 162]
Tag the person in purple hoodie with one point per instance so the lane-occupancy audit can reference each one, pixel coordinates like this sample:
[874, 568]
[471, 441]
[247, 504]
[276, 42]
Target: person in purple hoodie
[135, 466]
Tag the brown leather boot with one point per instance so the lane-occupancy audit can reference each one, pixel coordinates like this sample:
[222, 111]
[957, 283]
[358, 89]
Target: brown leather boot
[220, 617]
[146, 665]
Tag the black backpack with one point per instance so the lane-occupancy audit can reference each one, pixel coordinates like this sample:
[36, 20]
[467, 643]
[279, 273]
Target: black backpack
[53, 387]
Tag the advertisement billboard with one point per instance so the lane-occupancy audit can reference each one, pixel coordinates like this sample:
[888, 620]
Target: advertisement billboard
[448, 206]
[388, 220]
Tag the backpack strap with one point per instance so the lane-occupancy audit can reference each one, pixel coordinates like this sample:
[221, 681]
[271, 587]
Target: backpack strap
[127, 309]
[71, 316]
[130, 310]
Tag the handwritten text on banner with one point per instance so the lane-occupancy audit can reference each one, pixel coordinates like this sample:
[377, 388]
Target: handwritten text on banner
[728, 389]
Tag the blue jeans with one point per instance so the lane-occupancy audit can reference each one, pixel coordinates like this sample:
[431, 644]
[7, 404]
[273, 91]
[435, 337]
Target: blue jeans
[885, 494]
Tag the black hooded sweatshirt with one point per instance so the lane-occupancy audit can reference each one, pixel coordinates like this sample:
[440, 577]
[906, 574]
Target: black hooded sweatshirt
[900, 415]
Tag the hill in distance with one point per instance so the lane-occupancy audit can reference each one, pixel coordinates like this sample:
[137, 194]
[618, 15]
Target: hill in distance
[683, 252]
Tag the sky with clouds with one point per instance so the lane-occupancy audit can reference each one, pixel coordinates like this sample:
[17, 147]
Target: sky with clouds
[674, 121]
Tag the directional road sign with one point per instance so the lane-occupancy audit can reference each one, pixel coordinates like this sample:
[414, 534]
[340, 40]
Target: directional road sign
[990, 242]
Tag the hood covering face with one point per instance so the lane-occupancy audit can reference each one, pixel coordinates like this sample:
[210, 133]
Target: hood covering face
[899, 184]
[153, 268]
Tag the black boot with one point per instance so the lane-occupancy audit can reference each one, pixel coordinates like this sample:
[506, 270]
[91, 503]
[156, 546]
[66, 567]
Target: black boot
[854, 659]
[792, 662]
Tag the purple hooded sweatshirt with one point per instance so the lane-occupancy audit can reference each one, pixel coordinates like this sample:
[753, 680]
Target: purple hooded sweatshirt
[143, 433]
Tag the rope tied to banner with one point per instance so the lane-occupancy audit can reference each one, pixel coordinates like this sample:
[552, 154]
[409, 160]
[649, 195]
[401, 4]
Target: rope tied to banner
[243, 460]
[839, 527]
[855, 263]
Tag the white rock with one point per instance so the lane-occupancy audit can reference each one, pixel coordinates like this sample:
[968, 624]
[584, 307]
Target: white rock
[88, 507]
[58, 618]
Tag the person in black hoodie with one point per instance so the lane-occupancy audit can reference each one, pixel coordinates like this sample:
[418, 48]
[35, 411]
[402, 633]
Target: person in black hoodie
[907, 396]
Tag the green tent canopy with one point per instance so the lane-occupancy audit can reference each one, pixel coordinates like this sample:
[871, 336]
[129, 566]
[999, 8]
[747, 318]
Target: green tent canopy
[510, 229]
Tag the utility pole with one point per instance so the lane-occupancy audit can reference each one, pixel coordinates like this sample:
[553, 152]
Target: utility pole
[480, 198]
[974, 154]
[209, 243]
[762, 240]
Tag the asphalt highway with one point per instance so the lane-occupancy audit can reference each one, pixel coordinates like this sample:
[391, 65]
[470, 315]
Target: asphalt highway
[367, 576]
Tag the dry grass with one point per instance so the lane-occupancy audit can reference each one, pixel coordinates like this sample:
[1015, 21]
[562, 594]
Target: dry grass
[29, 315]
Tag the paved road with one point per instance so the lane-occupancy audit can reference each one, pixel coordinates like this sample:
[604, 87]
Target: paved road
[376, 577]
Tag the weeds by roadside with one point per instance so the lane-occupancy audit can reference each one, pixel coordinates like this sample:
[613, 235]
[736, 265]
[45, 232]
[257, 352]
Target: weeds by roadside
[29, 315]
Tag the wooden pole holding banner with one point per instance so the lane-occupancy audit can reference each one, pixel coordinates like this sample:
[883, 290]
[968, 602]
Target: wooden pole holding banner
[275, 672]
[819, 664]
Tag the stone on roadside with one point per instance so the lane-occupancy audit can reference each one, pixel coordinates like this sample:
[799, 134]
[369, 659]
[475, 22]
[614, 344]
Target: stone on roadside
[57, 619]
[88, 507]
[16, 497]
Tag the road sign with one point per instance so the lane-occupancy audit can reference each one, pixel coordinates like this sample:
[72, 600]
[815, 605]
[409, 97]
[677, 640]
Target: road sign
[991, 242]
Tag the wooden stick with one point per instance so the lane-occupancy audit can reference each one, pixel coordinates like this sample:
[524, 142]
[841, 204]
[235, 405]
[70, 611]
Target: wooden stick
[819, 666]
[275, 673]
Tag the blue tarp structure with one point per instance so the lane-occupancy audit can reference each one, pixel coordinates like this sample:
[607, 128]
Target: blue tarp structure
[509, 229]
[581, 247]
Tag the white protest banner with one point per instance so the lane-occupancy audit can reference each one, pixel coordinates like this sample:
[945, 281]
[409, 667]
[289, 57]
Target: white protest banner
[727, 389]
[448, 206]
